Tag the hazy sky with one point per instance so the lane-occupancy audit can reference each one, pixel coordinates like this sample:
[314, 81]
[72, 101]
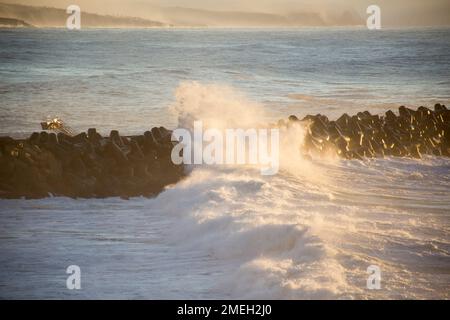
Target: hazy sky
[394, 12]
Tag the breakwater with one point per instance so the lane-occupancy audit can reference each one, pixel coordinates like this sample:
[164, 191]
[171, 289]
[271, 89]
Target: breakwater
[87, 165]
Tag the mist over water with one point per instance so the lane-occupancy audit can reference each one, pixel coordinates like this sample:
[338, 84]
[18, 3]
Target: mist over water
[310, 231]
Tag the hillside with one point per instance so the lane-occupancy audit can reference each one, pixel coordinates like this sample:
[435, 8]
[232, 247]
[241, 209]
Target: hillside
[9, 22]
[198, 17]
[21, 15]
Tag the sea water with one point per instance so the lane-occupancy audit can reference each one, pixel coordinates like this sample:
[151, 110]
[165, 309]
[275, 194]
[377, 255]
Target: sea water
[311, 231]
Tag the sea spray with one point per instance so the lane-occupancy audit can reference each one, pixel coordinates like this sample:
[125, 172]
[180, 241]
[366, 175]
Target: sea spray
[221, 107]
[311, 231]
[228, 147]
[233, 214]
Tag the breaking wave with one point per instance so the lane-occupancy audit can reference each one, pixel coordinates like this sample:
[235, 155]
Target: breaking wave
[312, 230]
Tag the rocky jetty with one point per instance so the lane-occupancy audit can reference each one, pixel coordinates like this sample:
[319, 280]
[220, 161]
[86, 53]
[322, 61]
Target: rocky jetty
[87, 165]
[410, 133]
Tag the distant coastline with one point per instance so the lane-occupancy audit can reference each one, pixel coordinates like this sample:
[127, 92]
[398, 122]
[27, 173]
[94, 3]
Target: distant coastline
[14, 23]
[47, 17]
[12, 15]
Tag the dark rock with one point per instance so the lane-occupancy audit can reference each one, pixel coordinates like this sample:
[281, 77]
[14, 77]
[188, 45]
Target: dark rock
[80, 138]
[136, 150]
[87, 165]
[343, 120]
[390, 116]
[43, 137]
[34, 138]
[117, 153]
[115, 137]
[307, 118]
[52, 139]
[438, 107]
[156, 134]
[165, 134]
[93, 136]
[410, 134]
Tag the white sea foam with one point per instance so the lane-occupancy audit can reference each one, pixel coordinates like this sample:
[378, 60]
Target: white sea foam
[292, 235]
[227, 232]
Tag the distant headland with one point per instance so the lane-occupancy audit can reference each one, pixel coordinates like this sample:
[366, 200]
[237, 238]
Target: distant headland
[155, 16]
[12, 15]
[13, 23]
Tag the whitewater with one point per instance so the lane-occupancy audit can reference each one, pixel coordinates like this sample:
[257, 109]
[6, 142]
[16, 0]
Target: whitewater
[308, 232]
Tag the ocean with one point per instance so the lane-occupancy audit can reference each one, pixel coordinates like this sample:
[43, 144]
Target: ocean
[311, 231]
